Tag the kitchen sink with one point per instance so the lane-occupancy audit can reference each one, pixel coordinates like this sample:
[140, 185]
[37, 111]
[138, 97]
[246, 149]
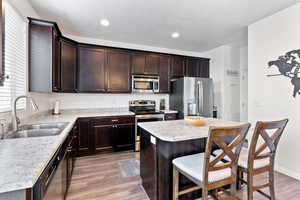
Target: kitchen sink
[60, 125]
[37, 130]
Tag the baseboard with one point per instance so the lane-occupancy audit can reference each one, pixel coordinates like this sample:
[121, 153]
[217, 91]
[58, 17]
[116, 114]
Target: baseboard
[288, 172]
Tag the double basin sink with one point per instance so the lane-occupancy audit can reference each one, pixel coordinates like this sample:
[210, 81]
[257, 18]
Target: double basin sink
[37, 130]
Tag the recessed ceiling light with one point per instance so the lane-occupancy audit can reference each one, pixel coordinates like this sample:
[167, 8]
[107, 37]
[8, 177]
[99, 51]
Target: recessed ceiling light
[104, 22]
[175, 35]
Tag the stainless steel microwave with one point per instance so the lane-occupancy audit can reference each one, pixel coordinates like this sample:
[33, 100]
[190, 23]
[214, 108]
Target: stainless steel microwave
[145, 84]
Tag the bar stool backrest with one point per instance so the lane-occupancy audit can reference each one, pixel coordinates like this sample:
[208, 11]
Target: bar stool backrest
[265, 140]
[217, 137]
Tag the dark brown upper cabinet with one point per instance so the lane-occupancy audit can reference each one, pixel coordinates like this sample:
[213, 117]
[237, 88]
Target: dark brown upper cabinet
[56, 70]
[164, 74]
[204, 68]
[2, 23]
[118, 71]
[145, 64]
[42, 54]
[152, 64]
[59, 64]
[68, 65]
[192, 67]
[197, 67]
[138, 63]
[177, 66]
[91, 69]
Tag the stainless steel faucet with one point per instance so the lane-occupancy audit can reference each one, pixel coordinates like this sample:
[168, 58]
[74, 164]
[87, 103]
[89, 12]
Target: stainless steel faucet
[15, 119]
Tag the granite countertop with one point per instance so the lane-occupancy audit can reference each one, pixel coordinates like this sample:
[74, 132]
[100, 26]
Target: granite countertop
[178, 130]
[22, 160]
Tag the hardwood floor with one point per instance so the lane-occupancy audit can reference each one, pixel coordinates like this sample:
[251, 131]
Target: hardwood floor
[99, 178]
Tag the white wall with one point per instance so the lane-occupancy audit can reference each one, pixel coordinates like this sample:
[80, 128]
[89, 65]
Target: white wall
[225, 59]
[270, 98]
[244, 84]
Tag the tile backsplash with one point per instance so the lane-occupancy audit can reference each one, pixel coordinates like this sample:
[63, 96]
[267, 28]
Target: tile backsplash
[84, 101]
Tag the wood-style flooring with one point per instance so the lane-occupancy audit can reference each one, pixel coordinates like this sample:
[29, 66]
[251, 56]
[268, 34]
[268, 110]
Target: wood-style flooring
[99, 178]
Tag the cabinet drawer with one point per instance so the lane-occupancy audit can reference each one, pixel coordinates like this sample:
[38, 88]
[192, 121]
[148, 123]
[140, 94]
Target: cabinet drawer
[170, 116]
[113, 120]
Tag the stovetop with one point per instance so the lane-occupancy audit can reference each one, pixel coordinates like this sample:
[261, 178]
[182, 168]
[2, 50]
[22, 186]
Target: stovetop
[143, 107]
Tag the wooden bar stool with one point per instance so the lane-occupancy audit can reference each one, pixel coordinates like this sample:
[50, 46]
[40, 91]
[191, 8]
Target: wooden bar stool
[209, 172]
[260, 156]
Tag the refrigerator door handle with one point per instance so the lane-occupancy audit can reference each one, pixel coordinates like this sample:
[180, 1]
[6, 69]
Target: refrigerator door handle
[200, 97]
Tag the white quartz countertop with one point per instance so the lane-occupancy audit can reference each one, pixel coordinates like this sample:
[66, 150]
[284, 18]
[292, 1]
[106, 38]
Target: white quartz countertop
[22, 160]
[178, 130]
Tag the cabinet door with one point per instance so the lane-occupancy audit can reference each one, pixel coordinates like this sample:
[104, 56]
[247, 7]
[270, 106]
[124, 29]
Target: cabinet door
[192, 67]
[177, 66]
[170, 116]
[68, 66]
[124, 137]
[152, 64]
[40, 57]
[103, 137]
[56, 84]
[204, 68]
[91, 76]
[164, 78]
[138, 63]
[84, 143]
[118, 71]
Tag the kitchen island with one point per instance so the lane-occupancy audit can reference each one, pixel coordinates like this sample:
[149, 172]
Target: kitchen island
[163, 141]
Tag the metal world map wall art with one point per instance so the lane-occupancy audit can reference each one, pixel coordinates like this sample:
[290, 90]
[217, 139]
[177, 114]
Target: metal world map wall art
[288, 65]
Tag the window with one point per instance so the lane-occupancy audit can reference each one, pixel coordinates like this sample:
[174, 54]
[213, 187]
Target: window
[14, 58]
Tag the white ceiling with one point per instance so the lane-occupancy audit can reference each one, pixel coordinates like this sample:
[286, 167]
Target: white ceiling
[202, 24]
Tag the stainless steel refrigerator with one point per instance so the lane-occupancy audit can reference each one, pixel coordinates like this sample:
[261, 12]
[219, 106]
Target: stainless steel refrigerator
[192, 96]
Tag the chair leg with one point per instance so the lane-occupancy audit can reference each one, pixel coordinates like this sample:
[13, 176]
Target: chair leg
[271, 182]
[233, 187]
[238, 179]
[250, 186]
[175, 183]
[214, 193]
[204, 193]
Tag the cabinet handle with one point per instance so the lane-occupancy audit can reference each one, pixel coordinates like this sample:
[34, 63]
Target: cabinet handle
[115, 120]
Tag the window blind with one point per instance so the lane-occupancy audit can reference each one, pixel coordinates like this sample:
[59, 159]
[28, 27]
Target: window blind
[14, 58]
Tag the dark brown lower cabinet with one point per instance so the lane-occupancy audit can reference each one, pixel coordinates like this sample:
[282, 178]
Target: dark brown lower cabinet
[124, 137]
[102, 137]
[170, 116]
[84, 145]
[105, 134]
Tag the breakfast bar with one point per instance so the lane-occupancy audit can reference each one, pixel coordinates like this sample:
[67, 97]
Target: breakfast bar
[163, 141]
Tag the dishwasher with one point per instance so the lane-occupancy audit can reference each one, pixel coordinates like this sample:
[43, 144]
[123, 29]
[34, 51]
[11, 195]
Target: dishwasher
[52, 184]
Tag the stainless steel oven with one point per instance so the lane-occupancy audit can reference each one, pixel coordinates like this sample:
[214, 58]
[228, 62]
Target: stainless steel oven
[145, 118]
[145, 111]
[145, 84]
